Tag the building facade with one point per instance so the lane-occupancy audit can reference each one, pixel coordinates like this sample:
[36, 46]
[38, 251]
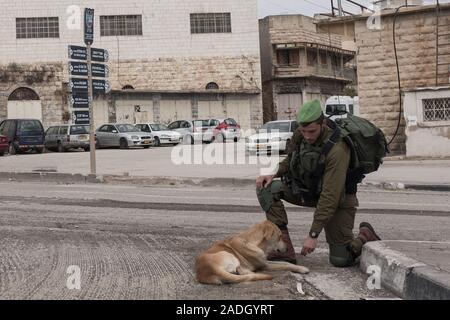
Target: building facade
[299, 64]
[167, 60]
[423, 56]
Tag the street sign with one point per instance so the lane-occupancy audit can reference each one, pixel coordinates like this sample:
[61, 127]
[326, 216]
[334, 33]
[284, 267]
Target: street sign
[80, 117]
[80, 53]
[80, 69]
[100, 70]
[99, 55]
[88, 26]
[100, 86]
[78, 85]
[79, 100]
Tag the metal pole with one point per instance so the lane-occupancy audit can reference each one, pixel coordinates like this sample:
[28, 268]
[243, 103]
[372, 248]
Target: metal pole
[340, 8]
[91, 111]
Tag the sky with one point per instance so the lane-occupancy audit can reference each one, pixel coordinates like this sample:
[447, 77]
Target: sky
[310, 7]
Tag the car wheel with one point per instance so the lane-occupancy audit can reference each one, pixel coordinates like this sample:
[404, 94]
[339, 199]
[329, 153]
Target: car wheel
[39, 150]
[189, 139]
[60, 147]
[2, 153]
[220, 138]
[123, 143]
[87, 149]
[157, 142]
[146, 147]
[12, 149]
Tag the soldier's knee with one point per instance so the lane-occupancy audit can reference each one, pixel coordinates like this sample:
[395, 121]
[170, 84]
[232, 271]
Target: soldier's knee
[341, 256]
[265, 198]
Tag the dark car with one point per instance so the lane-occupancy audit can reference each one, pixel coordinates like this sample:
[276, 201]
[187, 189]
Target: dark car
[23, 135]
[3, 145]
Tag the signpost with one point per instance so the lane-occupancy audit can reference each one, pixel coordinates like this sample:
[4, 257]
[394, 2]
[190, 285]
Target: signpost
[83, 86]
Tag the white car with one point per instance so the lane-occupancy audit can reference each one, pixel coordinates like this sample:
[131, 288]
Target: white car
[193, 131]
[161, 133]
[273, 136]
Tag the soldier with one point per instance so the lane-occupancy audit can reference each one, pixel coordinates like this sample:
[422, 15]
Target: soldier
[334, 200]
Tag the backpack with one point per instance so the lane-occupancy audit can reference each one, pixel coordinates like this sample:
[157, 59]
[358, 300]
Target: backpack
[367, 143]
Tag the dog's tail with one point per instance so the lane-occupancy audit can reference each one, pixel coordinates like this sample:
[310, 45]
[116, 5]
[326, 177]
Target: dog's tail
[221, 276]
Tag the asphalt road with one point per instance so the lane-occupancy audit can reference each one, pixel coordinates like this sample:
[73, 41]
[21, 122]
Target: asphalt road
[140, 242]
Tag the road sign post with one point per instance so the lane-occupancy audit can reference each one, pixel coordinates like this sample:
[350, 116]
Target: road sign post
[88, 40]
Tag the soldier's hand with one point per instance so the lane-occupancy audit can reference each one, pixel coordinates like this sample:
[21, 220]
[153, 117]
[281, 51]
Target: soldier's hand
[264, 181]
[309, 246]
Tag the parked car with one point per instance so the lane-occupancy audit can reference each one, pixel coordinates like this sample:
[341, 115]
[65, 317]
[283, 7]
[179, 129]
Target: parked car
[193, 130]
[274, 135]
[23, 135]
[65, 137]
[3, 145]
[225, 129]
[338, 106]
[161, 133]
[123, 136]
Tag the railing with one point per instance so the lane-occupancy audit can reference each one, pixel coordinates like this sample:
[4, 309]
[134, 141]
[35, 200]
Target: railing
[311, 71]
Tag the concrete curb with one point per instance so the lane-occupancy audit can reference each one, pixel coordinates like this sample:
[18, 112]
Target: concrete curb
[404, 276]
[161, 180]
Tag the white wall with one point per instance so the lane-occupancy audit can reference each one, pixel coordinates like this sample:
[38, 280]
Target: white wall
[425, 138]
[166, 29]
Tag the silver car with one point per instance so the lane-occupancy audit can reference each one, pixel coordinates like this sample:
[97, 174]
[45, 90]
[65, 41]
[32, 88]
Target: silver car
[64, 137]
[123, 136]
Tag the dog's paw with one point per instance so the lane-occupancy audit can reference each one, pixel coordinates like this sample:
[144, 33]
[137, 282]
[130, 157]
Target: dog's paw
[302, 270]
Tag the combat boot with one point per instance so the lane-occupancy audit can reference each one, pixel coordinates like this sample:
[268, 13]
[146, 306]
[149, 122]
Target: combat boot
[289, 255]
[367, 233]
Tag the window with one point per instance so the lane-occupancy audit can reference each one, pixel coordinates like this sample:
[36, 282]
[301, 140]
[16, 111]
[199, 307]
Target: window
[63, 130]
[288, 57]
[174, 125]
[126, 25]
[29, 28]
[312, 58]
[323, 58]
[212, 86]
[79, 129]
[210, 23]
[436, 109]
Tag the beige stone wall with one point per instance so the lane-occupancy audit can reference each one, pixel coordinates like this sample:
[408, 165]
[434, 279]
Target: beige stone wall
[377, 75]
[44, 79]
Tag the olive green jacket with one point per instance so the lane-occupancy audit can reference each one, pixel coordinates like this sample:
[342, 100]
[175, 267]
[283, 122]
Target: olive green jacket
[333, 182]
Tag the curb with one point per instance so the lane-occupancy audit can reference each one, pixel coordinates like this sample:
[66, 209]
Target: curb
[404, 276]
[74, 178]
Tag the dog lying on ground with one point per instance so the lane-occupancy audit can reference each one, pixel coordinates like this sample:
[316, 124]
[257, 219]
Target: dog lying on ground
[237, 258]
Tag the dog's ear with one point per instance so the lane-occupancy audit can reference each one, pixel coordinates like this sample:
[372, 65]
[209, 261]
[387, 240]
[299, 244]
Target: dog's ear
[268, 231]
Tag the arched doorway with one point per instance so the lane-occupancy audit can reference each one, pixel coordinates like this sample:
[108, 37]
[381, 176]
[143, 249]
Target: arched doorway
[24, 103]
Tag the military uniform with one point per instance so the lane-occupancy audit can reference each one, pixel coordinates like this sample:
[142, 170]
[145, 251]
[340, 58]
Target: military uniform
[336, 205]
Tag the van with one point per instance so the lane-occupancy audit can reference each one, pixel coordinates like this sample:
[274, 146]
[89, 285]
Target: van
[23, 135]
[339, 106]
[64, 137]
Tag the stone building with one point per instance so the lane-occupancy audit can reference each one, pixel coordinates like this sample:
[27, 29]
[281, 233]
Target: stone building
[167, 61]
[299, 64]
[422, 36]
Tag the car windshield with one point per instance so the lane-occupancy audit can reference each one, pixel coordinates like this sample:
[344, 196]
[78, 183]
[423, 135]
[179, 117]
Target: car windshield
[29, 125]
[335, 109]
[231, 122]
[276, 127]
[79, 129]
[201, 123]
[159, 127]
[126, 128]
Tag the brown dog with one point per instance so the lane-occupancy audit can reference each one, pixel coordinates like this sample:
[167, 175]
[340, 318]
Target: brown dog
[235, 259]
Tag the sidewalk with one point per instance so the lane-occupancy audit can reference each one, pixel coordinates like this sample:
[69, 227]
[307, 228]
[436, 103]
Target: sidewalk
[413, 270]
[156, 166]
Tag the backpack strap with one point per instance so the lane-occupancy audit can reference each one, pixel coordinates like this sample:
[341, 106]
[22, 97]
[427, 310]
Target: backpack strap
[329, 144]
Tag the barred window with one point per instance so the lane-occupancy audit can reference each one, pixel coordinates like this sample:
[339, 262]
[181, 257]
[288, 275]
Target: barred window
[124, 25]
[31, 28]
[436, 109]
[210, 22]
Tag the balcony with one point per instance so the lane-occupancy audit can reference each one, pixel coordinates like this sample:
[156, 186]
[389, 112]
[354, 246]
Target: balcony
[318, 71]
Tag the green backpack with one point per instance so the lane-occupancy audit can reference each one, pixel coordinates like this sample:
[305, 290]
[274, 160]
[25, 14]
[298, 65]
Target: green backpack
[367, 143]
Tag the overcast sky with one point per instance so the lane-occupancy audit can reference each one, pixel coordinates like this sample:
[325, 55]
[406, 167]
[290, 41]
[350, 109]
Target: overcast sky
[309, 7]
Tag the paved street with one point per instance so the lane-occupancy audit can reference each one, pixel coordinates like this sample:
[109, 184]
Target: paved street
[140, 242]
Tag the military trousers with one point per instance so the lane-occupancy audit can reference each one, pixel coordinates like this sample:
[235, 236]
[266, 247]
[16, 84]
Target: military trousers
[344, 247]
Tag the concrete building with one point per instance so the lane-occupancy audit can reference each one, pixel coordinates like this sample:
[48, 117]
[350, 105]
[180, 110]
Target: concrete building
[422, 36]
[298, 64]
[168, 59]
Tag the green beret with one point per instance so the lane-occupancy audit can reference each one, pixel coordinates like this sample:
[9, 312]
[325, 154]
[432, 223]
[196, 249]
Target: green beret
[310, 112]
